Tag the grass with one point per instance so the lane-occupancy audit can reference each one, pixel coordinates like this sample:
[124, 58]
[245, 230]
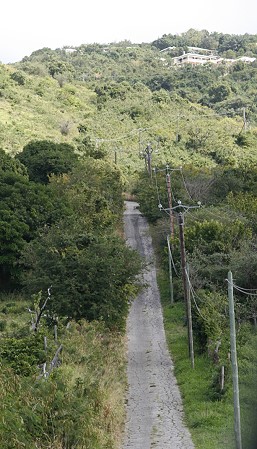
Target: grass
[210, 421]
[80, 405]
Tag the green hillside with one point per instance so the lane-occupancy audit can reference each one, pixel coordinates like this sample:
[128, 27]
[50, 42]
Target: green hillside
[80, 128]
[98, 92]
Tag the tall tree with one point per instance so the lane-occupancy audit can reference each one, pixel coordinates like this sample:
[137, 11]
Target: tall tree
[43, 158]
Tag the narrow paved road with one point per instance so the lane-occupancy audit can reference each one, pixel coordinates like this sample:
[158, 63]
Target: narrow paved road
[154, 409]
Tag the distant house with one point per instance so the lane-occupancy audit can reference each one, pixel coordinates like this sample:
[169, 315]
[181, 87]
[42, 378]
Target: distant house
[246, 59]
[70, 50]
[199, 56]
[195, 58]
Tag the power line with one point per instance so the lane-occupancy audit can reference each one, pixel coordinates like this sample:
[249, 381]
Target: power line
[194, 298]
[184, 182]
[173, 264]
[125, 136]
[157, 187]
[245, 291]
[175, 118]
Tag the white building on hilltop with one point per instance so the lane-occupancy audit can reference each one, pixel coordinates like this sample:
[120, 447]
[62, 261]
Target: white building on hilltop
[196, 58]
[199, 56]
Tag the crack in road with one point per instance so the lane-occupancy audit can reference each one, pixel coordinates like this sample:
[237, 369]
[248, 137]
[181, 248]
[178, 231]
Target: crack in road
[153, 405]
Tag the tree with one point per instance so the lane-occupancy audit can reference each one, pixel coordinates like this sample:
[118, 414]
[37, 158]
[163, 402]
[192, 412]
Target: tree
[18, 77]
[43, 158]
[25, 207]
[91, 278]
[8, 164]
[219, 92]
[244, 266]
[12, 240]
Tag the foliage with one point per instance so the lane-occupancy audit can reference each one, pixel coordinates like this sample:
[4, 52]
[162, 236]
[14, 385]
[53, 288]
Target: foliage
[214, 236]
[89, 266]
[244, 265]
[88, 383]
[24, 354]
[19, 77]
[116, 100]
[145, 192]
[44, 158]
[8, 164]
[234, 180]
[245, 203]
[25, 207]
[91, 278]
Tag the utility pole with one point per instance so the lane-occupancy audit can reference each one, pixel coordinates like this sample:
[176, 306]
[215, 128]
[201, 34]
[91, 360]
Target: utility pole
[170, 201]
[139, 141]
[185, 277]
[177, 129]
[148, 158]
[244, 118]
[190, 323]
[170, 272]
[186, 288]
[168, 185]
[237, 423]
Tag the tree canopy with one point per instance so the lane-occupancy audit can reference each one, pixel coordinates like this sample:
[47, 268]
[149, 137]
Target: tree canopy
[45, 158]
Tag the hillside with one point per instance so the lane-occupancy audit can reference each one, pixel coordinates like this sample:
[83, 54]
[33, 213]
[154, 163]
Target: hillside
[104, 95]
[79, 128]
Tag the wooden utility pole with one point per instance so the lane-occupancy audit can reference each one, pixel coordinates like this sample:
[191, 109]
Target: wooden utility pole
[237, 423]
[186, 288]
[148, 152]
[170, 201]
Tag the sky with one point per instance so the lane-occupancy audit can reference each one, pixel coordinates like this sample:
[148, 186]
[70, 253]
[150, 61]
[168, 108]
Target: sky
[28, 25]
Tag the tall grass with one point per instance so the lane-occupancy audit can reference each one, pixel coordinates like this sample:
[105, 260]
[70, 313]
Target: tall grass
[79, 406]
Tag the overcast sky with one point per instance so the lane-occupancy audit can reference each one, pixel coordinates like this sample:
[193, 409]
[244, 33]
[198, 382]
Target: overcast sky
[28, 25]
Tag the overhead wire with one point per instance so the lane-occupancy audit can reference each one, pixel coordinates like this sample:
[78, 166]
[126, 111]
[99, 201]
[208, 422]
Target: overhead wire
[184, 182]
[172, 261]
[173, 196]
[245, 291]
[193, 216]
[194, 296]
[157, 187]
[125, 136]
[173, 264]
[133, 131]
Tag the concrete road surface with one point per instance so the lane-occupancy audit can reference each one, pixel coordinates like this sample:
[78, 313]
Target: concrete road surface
[154, 408]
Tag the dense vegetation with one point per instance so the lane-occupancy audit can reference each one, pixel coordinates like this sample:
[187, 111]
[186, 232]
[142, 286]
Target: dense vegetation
[66, 116]
[220, 235]
[62, 260]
